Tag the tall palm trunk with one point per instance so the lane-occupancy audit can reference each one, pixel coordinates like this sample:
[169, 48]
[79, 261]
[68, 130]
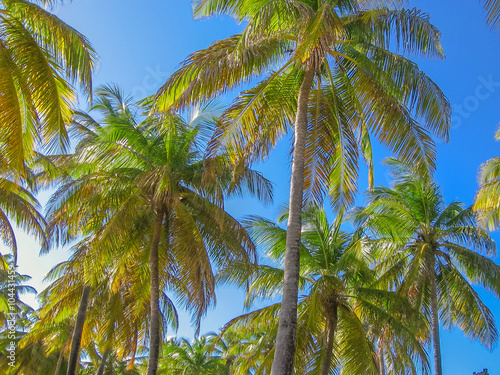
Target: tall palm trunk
[74, 354]
[380, 351]
[285, 340]
[131, 361]
[102, 366]
[154, 330]
[438, 370]
[332, 319]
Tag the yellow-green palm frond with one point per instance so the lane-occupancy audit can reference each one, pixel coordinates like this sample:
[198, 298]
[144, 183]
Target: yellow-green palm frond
[18, 206]
[70, 50]
[466, 309]
[38, 53]
[487, 201]
[215, 70]
[408, 29]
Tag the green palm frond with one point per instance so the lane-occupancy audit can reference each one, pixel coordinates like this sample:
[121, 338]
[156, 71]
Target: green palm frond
[39, 54]
[420, 238]
[487, 201]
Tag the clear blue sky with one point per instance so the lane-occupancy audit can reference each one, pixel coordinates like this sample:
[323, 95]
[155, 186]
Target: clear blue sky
[141, 42]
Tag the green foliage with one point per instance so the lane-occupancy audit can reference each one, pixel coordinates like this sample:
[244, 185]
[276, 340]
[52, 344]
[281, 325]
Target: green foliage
[419, 240]
[39, 56]
[200, 357]
[361, 89]
[340, 314]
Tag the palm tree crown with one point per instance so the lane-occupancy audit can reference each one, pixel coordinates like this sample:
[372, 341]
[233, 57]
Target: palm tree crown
[433, 253]
[337, 302]
[487, 202]
[141, 186]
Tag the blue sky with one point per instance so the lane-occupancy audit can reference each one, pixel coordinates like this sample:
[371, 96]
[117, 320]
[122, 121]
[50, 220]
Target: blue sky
[141, 43]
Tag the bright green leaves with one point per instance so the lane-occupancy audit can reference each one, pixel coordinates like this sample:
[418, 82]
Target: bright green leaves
[38, 52]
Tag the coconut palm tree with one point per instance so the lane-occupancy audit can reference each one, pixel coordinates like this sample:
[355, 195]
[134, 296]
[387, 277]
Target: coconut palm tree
[487, 202]
[200, 357]
[111, 318]
[144, 182]
[337, 304]
[44, 348]
[324, 68]
[433, 253]
[249, 348]
[40, 56]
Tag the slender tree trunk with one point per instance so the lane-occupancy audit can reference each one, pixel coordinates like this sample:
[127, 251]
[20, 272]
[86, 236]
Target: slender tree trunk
[438, 370]
[60, 359]
[104, 360]
[381, 363]
[74, 354]
[154, 330]
[285, 340]
[332, 328]
[131, 361]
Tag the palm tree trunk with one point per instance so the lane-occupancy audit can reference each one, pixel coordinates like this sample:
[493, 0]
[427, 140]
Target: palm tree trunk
[380, 352]
[285, 340]
[154, 332]
[102, 366]
[438, 370]
[381, 363]
[74, 354]
[331, 327]
[60, 359]
[131, 361]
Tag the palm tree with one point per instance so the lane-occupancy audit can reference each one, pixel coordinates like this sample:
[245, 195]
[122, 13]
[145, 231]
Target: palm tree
[325, 69]
[144, 183]
[248, 347]
[200, 357]
[338, 302]
[487, 202]
[113, 315]
[18, 206]
[44, 348]
[433, 253]
[39, 57]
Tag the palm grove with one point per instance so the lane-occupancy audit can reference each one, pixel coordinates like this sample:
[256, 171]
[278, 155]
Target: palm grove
[139, 190]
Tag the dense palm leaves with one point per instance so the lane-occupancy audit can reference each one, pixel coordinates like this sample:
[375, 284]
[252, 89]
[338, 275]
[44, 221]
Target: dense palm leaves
[143, 197]
[327, 70]
[433, 253]
[143, 187]
[487, 202]
[38, 54]
[338, 302]
[201, 357]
